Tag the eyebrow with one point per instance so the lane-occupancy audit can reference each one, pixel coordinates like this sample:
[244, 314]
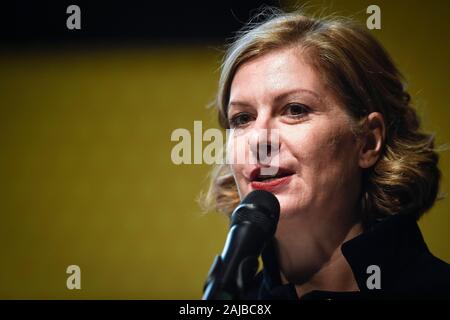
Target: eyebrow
[284, 95]
[278, 98]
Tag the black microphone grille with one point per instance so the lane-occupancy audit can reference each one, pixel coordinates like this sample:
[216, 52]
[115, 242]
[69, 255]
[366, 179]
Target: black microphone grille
[261, 208]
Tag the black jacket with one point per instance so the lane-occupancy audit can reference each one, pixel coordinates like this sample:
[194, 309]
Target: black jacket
[395, 245]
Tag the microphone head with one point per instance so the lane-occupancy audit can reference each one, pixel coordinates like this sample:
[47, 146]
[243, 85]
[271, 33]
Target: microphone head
[260, 208]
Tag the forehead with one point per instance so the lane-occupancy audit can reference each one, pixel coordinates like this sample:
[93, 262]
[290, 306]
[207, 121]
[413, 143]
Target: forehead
[274, 73]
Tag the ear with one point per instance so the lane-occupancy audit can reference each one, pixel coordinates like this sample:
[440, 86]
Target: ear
[372, 140]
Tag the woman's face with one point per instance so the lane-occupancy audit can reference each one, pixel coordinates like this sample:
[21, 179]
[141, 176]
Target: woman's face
[318, 176]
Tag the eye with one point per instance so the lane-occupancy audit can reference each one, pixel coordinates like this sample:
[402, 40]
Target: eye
[240, 119]
[296, 110]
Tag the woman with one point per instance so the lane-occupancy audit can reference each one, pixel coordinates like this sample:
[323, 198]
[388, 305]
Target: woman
[353, 171]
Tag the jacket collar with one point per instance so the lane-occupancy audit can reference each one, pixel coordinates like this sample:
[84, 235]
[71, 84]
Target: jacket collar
[390, 244]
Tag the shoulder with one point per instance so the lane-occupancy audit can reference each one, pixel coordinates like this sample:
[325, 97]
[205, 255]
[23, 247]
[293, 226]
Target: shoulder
[426, 276]
[406, 266]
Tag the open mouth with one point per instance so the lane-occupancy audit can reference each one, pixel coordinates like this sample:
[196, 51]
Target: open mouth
[257, 175]
[270, 182]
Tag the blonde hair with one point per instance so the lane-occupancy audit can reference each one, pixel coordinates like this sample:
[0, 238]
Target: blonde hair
[361, 74]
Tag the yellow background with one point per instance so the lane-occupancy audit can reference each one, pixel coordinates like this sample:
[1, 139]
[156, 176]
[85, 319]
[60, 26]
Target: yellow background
[85, 171]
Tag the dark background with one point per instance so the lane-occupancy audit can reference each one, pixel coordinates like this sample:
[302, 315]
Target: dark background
[146, 22]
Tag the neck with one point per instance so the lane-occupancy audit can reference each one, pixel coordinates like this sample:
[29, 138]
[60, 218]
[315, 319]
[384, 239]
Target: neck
[311, 264]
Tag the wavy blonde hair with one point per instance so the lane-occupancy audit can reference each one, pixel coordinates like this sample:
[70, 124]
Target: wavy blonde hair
[354, 65]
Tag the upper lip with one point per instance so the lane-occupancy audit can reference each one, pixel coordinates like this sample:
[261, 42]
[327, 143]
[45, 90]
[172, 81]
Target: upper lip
[255, 174]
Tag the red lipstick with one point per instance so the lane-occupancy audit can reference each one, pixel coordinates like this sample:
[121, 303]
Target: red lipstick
[270, 182]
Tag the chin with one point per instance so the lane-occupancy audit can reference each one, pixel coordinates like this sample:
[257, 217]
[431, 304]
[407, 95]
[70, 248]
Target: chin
[288, 206]
[288, 211]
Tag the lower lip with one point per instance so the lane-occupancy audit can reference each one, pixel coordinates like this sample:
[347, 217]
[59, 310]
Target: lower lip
[270, 185]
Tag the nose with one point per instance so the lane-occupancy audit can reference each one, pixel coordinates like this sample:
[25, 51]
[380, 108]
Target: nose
[264, 142]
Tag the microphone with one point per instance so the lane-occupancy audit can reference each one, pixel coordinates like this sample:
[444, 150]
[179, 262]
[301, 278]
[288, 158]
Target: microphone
[253, 224]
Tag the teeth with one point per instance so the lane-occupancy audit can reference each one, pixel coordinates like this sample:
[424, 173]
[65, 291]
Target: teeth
[278, 175]
[266, 178]
[270, 179]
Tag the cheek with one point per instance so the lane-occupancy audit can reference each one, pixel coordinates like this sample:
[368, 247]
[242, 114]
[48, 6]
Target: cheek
[325, 155]
[237, 147]
[309, 144]
[239, 179]
[233, 152]
[239, 157]
[236, 153]
[336, 168]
